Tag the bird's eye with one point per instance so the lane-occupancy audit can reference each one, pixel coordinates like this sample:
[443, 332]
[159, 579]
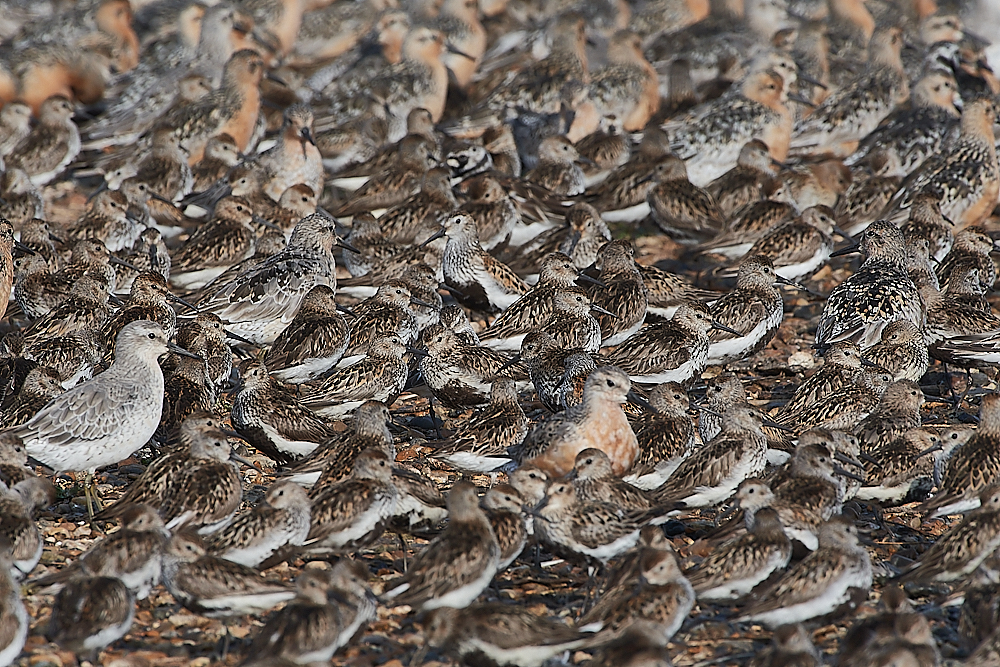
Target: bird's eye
[610, 383]
[151, 336]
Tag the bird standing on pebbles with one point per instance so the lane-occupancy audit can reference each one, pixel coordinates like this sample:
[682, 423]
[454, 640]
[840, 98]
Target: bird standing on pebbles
[105, 419]
[457, 566]
[824, 581]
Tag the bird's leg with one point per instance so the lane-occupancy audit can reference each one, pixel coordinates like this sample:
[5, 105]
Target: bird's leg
[434, 421]
[402, 545]
[419, 656]
[965, 393]
[947, 381]
[224, 641]
[90, 496]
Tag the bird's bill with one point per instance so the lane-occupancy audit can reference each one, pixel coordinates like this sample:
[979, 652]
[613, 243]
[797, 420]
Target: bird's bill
[177, 349]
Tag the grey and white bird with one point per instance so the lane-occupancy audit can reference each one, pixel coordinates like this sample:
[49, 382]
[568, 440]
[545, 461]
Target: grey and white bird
[259, 303]
[105, 419]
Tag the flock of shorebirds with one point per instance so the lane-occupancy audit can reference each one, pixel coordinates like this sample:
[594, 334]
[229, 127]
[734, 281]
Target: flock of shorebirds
[266, 255]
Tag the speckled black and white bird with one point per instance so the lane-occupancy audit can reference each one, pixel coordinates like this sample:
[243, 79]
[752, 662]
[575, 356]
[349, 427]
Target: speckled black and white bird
[878, 293]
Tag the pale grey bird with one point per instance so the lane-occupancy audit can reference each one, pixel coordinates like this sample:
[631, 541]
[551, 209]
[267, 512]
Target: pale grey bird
[103, 420]
[260, 302]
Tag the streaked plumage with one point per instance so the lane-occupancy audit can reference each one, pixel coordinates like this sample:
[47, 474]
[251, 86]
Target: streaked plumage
[458, 565]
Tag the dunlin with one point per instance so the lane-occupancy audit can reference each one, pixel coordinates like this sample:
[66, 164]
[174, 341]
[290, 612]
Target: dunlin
[978, 615]
[459, 375]
[386, 313]
[671, 351]
[421, 507]
[187, 389]
[89, 613]
[754, 310]
[493, 210]
[85, 307]
[474, 633]
[148, 300]
[64, 434]
[712, 473]
[593, 480]
[333, 460]
[661, 600]
[46, 152]
[485, 283]
[557, 170]
[74, 357]
[504, 509]
[313, 342]
[195, 483]
[842, 362]
[351, 513]
[227, 238]
[380, 376]
[458, 565]
[400, 179]
[572, 323]
[830, 577]
[131, 555]
[19, 505]
[898, 411]
[482, 443]
[901, 351]
[807, 493]
[684, 211]
[665, 437]
[507, 331]
[623, 293]
[207, 493]
[641, 645]
[958, 552]
[419, 216]
[316, 623]
[790, 645]
[972, 245]
[621, 197]
[13, 616]
[721, 393]
[23, 200]
[972, 467]
[13, 460]
[272, 419]
[745, 183]
[281, 518]
[214, 587]
[597, 531]
[259, 303]
[545, 361]
[800, 247]
[732, 570]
